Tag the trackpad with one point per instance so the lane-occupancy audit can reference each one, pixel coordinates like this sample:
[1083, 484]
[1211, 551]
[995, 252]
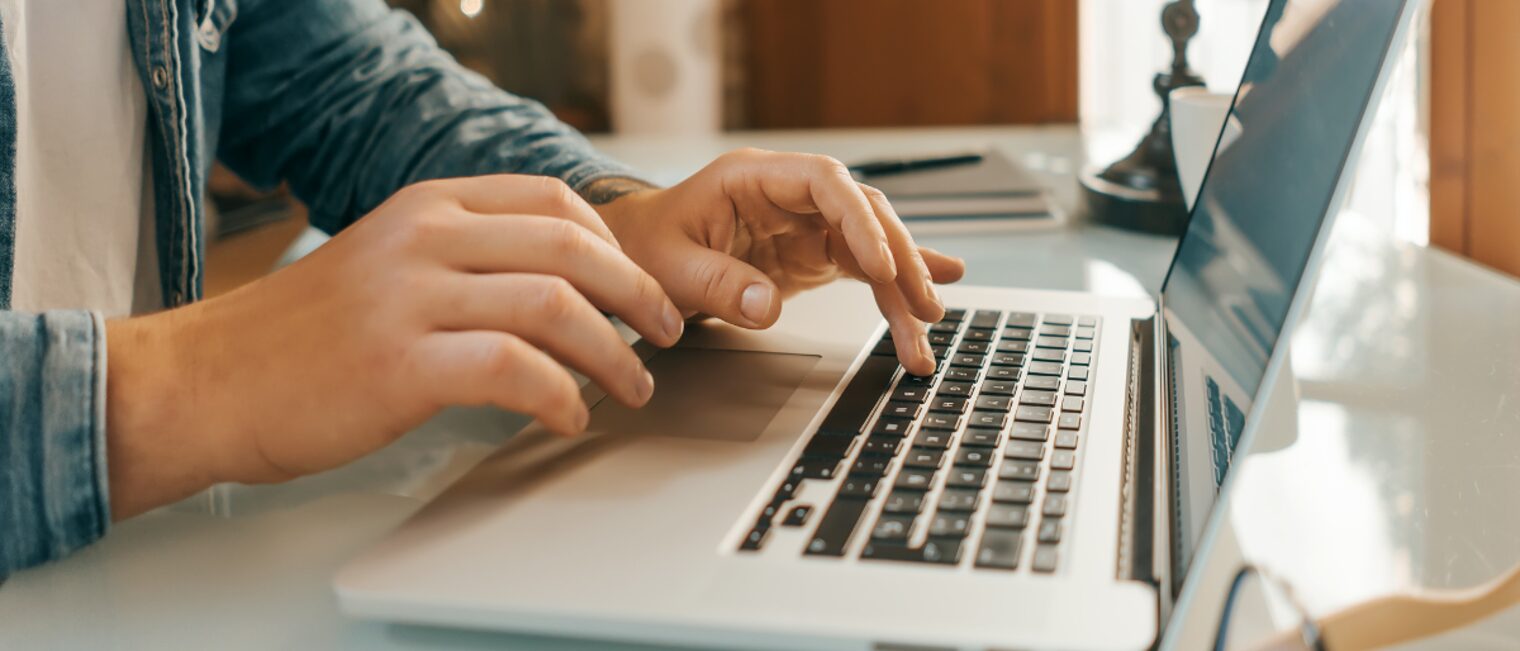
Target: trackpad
[724, 395]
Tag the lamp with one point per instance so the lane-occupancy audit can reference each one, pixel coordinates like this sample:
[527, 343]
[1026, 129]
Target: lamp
[1141, 191]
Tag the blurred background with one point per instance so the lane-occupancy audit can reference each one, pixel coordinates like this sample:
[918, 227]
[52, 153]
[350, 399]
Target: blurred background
[675, 67]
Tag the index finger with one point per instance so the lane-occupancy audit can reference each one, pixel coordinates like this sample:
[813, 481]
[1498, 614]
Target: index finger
[821, 185]
[519, 194]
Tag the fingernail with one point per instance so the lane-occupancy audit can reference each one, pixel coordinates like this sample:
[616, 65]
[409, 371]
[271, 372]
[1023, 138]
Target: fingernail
[674, 324]
[924, 348]
[886, 254]
[644, 389]
[756, 303]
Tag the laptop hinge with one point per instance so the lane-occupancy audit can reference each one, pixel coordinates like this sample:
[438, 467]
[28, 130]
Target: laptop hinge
[1163, 423]
[1136, 561]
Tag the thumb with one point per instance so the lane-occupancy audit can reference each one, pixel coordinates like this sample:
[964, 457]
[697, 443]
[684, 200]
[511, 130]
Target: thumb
[723, 286]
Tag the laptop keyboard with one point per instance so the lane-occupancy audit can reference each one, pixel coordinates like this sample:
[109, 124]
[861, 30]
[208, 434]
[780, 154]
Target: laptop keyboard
[971, 465]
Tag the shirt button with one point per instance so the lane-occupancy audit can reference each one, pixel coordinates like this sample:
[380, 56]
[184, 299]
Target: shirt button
[160, 77]
[179, 297]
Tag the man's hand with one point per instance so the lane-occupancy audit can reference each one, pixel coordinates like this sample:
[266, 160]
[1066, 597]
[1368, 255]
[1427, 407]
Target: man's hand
[755, 227]
[457, 292]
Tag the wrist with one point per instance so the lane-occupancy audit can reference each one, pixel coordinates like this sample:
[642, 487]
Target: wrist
[153, 459]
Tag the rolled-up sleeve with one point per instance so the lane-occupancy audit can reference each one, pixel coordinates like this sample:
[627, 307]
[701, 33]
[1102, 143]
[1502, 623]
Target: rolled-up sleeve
[53, 487]
[349, 101]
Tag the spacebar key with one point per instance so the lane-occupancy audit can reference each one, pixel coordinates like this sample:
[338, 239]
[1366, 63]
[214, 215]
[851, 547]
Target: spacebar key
[858, 399]
[834, 530]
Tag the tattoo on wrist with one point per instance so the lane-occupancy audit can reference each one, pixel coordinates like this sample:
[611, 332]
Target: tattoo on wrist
[604, 191]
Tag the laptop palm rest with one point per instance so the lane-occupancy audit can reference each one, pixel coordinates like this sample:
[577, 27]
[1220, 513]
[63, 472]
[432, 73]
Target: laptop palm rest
[720, 395]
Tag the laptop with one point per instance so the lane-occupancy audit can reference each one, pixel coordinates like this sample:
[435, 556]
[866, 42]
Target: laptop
[1047, 487]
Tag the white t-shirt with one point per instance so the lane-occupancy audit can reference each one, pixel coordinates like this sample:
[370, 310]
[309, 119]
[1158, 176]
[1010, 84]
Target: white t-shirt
[84, 225]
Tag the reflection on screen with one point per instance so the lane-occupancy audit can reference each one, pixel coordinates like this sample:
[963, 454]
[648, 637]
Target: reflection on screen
[1268, 191]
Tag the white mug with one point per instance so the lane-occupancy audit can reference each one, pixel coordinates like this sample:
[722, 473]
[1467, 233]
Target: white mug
[1198, 124]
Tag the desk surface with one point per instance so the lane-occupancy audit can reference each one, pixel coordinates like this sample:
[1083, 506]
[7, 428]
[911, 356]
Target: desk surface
[1395, 462]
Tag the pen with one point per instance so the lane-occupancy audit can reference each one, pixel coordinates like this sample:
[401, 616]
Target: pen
[888, 167]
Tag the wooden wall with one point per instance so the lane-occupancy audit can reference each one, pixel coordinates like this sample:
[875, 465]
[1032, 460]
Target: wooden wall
[862, 63]
[1475, 130]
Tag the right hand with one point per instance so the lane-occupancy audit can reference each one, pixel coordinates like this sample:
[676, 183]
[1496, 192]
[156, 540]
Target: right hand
[456, 292]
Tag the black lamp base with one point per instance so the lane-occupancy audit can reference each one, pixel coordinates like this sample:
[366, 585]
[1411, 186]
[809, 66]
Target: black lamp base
[1148, 210]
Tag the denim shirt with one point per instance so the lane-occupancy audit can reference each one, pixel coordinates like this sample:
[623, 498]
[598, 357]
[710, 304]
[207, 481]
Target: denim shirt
[347, 101]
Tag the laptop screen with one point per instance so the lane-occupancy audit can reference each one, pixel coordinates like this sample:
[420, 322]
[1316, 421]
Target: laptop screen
[1269, 190]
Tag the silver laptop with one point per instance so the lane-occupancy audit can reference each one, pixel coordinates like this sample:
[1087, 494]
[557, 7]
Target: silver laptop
[1046, 488]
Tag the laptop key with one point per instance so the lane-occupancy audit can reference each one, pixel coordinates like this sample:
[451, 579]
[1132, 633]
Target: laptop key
[1076, 388]
[915, 479]
[1017, 334]
[1003, 373]
[1058, 343]
[901, 501]
[1066, 439]
[1024, 450]
[958, 499]
[999, 388]
[907, 410]
[1038, 398]
[956, 315]
[855, 403]
[990, 419]
[911, 380]
[941, 338]
[1086, 333]
[1022, 319]
[1007, 516]
[910, 393]
[1030, 414]
[986, 319]
[897, 427]
[1063, 460]
[1081, 359]
[798, 516]
[1078, 373]
[1055, 505]
[1060, 482]
[1044, 558]
[1050, 531]
[945, 326]
[973, 457]
[1013, 492]
[977, 335]
[754, 539]
[1008, 359]
[941, 550]
[880, 446]
[933, 439]
[970, 361]
[955, 389]
[982, 438]
[863, 487]
[1043, 383]
[961, 477]
[1030, 432]
[949, 525]
[1045, 368]
[1012, 346]
[1070, 421]
[999, 549]
[924, 458]
[1082, 345]
[974, 347]
[949, 404]
[961, 374]
[836, 527]
[1060, 319]
[941, 421]
[1048, 355]
[870, 467]
[1087, 321]
[1019, 470]
[892, 527]
[1071, 403]
[1055, 331]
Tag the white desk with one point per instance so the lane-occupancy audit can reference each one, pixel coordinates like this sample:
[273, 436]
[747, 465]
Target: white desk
[1406, 362]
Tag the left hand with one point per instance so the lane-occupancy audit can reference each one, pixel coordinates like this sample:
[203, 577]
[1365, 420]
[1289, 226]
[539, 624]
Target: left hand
[755, 227]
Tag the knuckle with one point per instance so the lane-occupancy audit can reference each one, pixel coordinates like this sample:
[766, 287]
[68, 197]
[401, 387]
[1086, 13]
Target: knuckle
[557, 298]
[874, 195]
[558, 194]
[503, 359]
[830, 165]
[569, 239]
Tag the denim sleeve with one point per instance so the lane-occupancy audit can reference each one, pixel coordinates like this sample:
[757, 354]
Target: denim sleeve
[54, 497]
[349, 101]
